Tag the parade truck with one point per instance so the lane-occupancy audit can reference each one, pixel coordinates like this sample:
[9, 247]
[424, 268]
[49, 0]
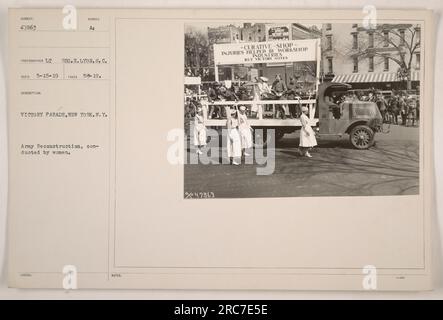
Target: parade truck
[358, 119]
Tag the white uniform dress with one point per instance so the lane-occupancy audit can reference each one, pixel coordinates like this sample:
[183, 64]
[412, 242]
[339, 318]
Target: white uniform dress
[305, 139]
[199, 131]
[245, 131]
[234, 140]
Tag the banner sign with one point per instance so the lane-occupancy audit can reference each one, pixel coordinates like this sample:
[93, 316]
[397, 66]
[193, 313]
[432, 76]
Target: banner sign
[265, 52]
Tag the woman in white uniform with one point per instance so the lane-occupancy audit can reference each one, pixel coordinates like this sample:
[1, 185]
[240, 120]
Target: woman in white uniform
[307, 135]
[199, 131]
[245, 130]
[233, 139]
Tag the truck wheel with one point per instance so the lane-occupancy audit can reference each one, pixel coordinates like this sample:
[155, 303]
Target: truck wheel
[362, 137]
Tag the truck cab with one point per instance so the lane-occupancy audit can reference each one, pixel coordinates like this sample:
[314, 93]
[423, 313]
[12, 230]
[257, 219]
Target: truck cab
[360, 119]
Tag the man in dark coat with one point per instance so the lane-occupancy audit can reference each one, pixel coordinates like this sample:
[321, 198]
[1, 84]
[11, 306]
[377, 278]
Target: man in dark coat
[291, 94]
[381, 104]
[279, 89]
[403, 110]
[393, 106]
[227, 94]
[213, 93]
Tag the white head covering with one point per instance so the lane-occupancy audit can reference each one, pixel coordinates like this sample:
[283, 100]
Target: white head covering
[304, 109]
[242, 108]
[264, 79]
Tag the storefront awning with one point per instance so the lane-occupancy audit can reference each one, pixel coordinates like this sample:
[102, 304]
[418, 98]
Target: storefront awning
[372, 77]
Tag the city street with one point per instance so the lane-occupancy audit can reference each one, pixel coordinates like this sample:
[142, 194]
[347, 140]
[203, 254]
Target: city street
[391, 167]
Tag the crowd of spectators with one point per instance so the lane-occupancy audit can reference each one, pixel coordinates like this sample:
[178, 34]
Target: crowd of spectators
[396, 107]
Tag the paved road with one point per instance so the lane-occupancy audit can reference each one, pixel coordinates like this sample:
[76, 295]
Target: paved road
[391, 167]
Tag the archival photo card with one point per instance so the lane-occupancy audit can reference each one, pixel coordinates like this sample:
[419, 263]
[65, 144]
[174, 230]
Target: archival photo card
[245, 149]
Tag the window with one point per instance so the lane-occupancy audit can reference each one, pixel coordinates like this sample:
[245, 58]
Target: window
[354, 41]
[355, 64]
[330, 66]
[371, 64]
[418, 34]
[328, 26]
[386, 64]
[329, 42]
[371, 40]
[417, 61]
[402, 37]
[386, 38]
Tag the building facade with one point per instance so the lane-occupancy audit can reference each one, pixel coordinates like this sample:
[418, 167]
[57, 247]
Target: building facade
[384, 57]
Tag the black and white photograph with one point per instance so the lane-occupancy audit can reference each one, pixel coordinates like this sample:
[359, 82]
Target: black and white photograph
[300, 109]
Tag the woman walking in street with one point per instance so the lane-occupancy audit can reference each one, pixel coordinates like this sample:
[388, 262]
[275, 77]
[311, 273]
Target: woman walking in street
[245, 131]
[307, 135]
[233, 139]
[199, 130]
